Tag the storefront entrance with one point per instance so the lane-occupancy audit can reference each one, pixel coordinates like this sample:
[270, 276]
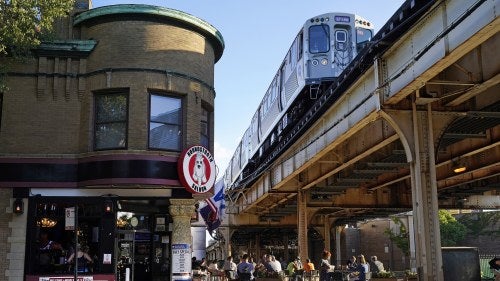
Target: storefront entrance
[142, 247]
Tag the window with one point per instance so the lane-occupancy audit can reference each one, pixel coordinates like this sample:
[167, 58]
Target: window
[165, 122]
[340, 40]
[205, 127]
[362, 37]
[51, 237]
[111, 114]
[319, 38]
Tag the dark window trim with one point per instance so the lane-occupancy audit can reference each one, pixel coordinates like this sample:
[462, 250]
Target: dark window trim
[1, 110]
[120, 91]
[182, 124]
[210, 114]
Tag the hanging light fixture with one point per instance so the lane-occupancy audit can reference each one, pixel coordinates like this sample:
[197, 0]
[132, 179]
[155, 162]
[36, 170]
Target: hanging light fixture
[458, 166]
[18, 207]
[46, 222]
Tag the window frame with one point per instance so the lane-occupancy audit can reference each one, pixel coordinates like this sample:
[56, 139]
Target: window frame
[181, 123]
[124, 92]
[209, 112]
[324, 27]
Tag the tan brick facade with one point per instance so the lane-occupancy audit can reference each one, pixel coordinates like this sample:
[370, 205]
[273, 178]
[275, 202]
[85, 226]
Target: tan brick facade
[48, 110]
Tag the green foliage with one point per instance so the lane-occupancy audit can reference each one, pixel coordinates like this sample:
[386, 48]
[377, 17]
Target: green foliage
[452, 231]
[401, 239]
[482, 223]
[24, 22]
[383, 274]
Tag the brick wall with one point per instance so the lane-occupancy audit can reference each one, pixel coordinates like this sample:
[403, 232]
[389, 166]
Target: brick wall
[5, 217]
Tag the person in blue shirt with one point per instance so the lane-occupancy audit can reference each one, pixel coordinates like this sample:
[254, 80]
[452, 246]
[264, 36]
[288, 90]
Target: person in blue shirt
[245, 269]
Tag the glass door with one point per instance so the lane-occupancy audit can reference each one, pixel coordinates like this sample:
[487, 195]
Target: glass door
[133, 255]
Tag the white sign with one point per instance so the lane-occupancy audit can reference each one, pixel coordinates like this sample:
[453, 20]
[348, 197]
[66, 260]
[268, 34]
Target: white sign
[69, 219]
[181, 258]
[106, 259]
[196, 168]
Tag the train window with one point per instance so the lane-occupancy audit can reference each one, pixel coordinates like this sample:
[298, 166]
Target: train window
[340, 39]
[300, 46]
[319, 38]
[340, 36]
[363, 36]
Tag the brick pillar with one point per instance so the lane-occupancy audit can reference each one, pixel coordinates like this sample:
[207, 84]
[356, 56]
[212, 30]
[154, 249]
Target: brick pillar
[181, 211]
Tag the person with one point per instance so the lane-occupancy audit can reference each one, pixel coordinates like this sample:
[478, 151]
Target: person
[308, 266]
[326, 269]
[46, 244]
[245, 269]
[362, 269]
[83, 259]
[229, 268]
[213, 268]
[274, 264]
[294, 268]
[376, 266]
[495, 266]
[47, 252]
[351, 263]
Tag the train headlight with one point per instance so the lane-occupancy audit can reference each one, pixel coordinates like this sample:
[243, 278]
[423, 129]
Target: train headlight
[315, 62]
[324, 61]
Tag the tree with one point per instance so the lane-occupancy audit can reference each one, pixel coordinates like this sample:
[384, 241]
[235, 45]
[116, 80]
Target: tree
[484, 223]
[452, 231]
[401, 238]
[24, 22]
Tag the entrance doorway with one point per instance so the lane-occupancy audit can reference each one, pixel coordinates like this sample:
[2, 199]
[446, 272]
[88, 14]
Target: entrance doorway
[142, 246]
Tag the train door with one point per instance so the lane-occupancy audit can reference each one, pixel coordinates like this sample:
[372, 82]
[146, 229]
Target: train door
[343, 51]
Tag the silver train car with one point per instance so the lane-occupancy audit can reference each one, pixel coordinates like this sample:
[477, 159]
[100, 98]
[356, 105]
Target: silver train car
[322, 49]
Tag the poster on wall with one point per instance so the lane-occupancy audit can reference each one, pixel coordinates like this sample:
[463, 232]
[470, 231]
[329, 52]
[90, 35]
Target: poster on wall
[181, 258]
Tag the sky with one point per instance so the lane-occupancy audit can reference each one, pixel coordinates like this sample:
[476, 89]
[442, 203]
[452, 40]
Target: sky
[257, 35]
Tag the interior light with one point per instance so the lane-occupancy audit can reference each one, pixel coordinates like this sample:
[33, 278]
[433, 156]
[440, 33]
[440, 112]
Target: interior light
[46, 222]
[459, 169]
[108, 206]
[458, 166]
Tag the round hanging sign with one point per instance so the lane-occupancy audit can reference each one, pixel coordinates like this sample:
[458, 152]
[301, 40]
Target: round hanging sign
[196, 169]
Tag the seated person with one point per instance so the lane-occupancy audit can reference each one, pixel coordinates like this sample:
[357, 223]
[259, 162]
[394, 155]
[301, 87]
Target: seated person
[83, 259]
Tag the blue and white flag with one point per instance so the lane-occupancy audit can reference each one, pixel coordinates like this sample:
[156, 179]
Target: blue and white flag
[213, 211]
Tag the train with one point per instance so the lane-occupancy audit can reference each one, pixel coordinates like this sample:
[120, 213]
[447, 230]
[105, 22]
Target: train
[322, 49]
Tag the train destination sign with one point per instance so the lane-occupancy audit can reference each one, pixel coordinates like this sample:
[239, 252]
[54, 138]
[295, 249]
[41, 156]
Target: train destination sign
[196, 167]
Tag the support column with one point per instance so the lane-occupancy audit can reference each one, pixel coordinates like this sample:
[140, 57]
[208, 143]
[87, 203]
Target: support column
[338, 232]
[302, 225]
[326, 232]
[181, 211]
[425, 201]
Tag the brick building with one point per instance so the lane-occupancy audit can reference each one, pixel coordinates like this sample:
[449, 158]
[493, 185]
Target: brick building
[92, 127]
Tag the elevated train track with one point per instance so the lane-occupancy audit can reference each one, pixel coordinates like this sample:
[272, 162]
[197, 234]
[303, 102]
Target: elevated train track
[383, 165]
[422, 100]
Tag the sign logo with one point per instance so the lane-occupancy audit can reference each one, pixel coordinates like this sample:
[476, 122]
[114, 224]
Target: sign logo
[196, 169]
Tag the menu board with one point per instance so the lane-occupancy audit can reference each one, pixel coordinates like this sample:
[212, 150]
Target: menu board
[181, 258]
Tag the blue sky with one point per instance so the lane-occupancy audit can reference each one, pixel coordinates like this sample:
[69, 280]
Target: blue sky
[257, 35]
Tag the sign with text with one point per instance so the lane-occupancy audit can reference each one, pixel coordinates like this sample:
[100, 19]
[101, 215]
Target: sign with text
[69, 219]
[181, 258]
[196, 167]
[67, 278]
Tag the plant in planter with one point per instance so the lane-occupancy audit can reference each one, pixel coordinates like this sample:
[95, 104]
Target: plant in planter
[384, 276]
[410, 275]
